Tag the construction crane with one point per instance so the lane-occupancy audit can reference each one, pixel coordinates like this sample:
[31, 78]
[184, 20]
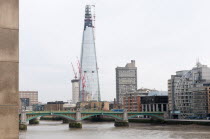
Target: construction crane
[82, 80]
[75, 73]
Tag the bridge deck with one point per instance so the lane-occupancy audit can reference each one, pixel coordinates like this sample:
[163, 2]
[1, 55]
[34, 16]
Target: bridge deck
[91, 112]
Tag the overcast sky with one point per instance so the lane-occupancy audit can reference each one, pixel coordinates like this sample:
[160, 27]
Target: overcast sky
[163, 36]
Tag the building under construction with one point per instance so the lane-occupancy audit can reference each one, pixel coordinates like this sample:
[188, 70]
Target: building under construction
[88, 69]
[189, 93]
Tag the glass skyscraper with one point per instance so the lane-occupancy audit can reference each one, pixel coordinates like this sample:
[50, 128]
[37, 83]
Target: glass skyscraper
[89, 80]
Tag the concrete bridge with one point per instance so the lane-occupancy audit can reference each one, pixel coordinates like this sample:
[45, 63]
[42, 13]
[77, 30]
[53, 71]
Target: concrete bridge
[121, 118]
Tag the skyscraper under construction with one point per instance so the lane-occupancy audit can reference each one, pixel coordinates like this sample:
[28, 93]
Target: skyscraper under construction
[89, 80]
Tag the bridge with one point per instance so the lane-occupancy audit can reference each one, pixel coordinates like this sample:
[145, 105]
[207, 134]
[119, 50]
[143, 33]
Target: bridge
[121, 118]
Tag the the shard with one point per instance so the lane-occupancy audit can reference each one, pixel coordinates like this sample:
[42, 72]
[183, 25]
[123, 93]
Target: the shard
[89, 79]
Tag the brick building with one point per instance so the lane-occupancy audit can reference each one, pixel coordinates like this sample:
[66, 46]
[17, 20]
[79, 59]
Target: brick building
[132, 102]
[93, 105]
[54, 106]
[27, 99]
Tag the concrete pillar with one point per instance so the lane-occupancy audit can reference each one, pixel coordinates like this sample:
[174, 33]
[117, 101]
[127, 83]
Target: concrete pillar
[9, 62]
[161, 107]
[124, 122]
[146, 107]
[149, 107]
[157, 107]
[142, 107]
[77, 123]
[125, 115]
[153, 105]
[78, 116]
[23, 117]
[23, 122]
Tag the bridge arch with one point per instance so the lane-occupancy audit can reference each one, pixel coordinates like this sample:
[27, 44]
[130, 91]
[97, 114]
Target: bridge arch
[152, 115]
[59, 115]
[109, 115]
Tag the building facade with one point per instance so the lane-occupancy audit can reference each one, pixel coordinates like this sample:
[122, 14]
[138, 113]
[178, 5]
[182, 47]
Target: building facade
[89, 79]
[38, 107]
[154, 103]
[172, 87]
[126, 80]
[189, 93]
[75, 91]
[132, 102]
[28, 99]
[54, 106]
[93, 105]
[69, 107]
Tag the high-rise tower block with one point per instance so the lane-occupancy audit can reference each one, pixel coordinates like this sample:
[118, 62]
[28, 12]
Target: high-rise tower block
[89, 80]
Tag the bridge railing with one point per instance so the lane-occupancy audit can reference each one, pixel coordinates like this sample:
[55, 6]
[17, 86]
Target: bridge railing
[92, 111]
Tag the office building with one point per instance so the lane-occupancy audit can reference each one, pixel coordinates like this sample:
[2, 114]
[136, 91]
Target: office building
[89, 79]
[188, 92]
[126, 80]
[28, 99]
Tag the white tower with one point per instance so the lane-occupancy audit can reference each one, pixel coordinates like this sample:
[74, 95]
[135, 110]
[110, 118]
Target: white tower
[75, 91]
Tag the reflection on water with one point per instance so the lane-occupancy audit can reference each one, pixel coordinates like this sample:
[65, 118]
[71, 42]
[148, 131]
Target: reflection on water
[106, 130]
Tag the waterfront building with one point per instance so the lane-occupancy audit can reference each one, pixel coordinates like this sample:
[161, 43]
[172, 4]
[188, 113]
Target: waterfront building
[171, 89]
[154, 103]
[54, 106]
[132, 100]
[126, 80]
[89, 79]
[69, 107]
[93, 105]
[28, 99]
[188, 92]
[75, 91]
[38, 107]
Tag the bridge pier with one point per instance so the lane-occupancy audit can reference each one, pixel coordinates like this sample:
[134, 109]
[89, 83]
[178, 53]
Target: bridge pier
[124, 122]
[34, 121]
[23, 123]
[77, 123]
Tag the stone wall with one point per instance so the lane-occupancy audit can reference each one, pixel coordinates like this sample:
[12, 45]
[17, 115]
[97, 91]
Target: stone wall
[9, 62]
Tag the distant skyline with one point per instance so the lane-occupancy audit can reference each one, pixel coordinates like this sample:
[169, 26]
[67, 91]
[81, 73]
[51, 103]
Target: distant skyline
[161, 36]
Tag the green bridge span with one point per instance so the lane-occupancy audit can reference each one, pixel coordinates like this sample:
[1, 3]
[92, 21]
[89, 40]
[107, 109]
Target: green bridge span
[121, 118]
[86, 114]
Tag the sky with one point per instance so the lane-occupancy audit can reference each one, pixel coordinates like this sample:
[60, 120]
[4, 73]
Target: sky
[162, 36]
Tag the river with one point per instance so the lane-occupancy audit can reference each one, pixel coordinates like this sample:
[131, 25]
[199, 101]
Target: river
[106, 130]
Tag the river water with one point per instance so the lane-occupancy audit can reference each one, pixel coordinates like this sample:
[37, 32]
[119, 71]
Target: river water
[106, 130]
